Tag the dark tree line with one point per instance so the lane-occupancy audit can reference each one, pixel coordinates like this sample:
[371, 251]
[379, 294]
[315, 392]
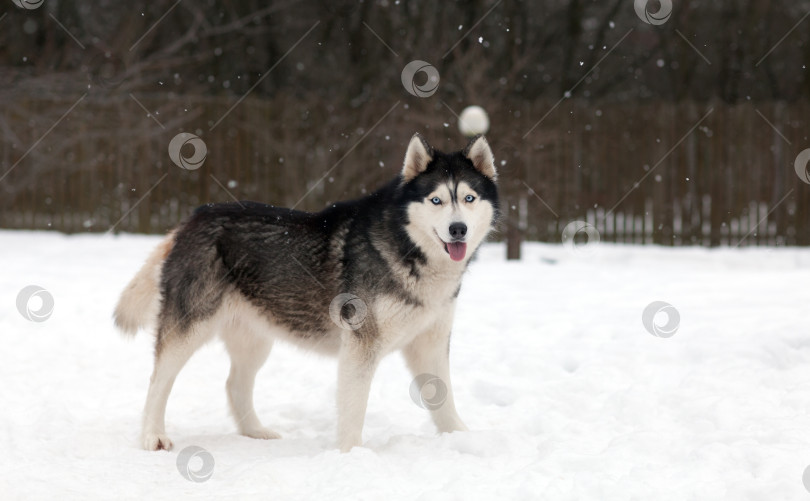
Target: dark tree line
[521, 50]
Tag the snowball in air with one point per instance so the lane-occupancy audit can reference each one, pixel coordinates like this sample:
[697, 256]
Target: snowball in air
[473, 120]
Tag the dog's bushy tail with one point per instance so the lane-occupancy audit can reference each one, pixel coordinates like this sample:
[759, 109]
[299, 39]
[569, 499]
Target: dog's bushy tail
[139, 304]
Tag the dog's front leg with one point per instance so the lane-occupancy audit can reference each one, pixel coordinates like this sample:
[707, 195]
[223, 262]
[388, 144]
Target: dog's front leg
[428, 357]
[357, 362]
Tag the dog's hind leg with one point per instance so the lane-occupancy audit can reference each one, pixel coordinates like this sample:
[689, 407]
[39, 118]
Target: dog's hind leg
[248, 350]
[427, 356]
[357, 362]
[170, 356]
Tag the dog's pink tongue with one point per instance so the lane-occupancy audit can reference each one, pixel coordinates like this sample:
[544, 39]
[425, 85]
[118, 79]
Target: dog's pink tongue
[457, 250]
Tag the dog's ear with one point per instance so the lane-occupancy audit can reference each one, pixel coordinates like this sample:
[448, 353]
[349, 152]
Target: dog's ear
[417, 157]
[480, 154]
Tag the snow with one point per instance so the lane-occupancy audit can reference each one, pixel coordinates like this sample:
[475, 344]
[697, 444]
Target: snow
[567, 395]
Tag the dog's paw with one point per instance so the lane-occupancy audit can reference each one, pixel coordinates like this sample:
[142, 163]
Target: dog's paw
[262, 433]
[460, 427]
[156, 442]
[451, 425]
[347, 446]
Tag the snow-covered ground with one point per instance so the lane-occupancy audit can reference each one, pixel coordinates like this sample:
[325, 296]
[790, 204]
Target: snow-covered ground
[566, 393]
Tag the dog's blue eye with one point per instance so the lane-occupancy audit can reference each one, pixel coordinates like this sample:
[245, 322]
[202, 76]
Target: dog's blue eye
[469, 198]
[436, 200]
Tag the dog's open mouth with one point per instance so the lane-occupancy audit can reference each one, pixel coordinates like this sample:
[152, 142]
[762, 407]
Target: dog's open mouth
[457, 250]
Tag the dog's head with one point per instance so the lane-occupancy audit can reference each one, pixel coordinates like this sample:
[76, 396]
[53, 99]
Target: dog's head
[452, 197]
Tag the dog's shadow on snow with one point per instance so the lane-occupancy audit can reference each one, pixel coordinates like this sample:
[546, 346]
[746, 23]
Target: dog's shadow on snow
[232, 445]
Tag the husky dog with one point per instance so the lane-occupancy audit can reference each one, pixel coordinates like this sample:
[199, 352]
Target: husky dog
[357, 280]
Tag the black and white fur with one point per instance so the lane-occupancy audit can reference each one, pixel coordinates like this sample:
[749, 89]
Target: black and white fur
[252, 273]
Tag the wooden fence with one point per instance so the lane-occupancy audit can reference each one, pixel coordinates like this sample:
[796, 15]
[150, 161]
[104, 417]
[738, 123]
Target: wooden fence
[672, 174]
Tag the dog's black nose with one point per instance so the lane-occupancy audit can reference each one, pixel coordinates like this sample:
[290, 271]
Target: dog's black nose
[458, 231]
